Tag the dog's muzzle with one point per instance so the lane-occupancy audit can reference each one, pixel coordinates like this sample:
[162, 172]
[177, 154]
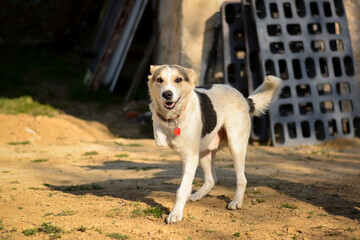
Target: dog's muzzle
[167, 95]
[171, 105]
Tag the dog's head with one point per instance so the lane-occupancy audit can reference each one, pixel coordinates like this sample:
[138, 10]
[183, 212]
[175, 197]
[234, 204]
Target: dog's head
[170, 85]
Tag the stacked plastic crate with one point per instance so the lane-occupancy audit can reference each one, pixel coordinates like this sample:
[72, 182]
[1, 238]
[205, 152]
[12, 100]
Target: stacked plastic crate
[307, 44]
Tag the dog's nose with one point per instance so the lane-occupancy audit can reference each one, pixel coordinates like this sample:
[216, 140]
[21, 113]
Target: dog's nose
[167, 95]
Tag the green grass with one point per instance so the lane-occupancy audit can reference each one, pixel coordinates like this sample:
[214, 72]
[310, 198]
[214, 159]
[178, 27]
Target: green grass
[19, 143]
[91, 153]
[1, 224]
[311, 214]
[50, 229]
[92, 186]
[47, 228]
[25, 105]
[237, 234]
[287, 205]
[317, 227]
[129, 145]
[274, 154]
[114, 212]
[48, 214]
[122, 155]
[135, 145]
[136, 212]
[260, 200]
[311, 159]
[118, 236]
[30, 232]
[66, 213]
[155, 211]
[40, 160]
[82, 229]
[349, 229]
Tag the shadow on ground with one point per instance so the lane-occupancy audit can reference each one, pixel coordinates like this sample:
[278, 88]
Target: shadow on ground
[140, 189]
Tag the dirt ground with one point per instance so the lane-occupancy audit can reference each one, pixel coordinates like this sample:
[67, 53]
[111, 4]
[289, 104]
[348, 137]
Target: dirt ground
[69, 178]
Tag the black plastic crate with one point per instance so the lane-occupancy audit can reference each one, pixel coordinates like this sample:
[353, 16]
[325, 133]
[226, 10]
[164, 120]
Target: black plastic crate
[241, 57]
[233, 39]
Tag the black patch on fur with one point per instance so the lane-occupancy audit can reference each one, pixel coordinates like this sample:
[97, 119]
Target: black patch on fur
[182, 72]
[207, 87]
[208, 114]
[251, 105]
[157, 73]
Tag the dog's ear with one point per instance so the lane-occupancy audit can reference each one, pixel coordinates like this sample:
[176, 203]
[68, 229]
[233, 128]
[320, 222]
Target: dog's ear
[149, 77]
[193, 77]
[153, 68]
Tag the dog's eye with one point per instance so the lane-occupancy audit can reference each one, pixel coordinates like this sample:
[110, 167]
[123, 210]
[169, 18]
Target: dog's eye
[159, 80]
[178, 80]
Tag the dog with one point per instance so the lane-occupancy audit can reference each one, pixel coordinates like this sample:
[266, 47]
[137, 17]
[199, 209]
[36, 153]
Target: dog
[197, 121]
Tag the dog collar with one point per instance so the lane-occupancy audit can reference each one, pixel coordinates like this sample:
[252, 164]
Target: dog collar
[177, 130]
[170, 119]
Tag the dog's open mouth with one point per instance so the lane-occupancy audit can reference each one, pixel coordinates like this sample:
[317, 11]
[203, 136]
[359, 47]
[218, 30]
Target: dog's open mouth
[170, 105]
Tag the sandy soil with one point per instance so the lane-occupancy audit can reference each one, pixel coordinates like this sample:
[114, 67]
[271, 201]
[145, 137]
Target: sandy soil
[76, 176]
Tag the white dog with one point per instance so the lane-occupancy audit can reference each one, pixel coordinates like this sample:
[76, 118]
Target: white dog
[196, 122]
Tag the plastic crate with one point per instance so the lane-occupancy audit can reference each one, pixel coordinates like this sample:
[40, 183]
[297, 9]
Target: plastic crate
[307, 44]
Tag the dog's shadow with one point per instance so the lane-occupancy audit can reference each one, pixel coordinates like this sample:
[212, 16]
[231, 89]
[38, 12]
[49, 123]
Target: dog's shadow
[140, 189]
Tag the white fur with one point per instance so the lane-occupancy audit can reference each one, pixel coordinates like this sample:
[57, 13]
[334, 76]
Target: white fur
[263, 95]
[232, 129]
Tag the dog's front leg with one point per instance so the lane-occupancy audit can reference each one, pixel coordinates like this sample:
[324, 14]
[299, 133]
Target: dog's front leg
[160, 137]
[183, 193]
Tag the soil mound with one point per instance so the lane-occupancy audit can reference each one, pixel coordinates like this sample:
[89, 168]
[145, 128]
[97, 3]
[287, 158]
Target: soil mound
[62, 128]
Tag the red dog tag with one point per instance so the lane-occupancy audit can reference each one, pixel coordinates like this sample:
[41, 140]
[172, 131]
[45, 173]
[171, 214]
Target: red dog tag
[177, 131]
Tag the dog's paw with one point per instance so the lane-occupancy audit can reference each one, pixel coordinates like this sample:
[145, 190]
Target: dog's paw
[195, 196]
[173, 217]
[160, 137]
[234, 205]
[161, 144]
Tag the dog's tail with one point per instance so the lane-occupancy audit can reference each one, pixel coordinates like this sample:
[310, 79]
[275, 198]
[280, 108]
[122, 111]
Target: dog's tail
[261, 98]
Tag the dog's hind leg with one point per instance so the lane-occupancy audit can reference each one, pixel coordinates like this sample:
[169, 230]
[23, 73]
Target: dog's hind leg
[207, 164]
[238, 138]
